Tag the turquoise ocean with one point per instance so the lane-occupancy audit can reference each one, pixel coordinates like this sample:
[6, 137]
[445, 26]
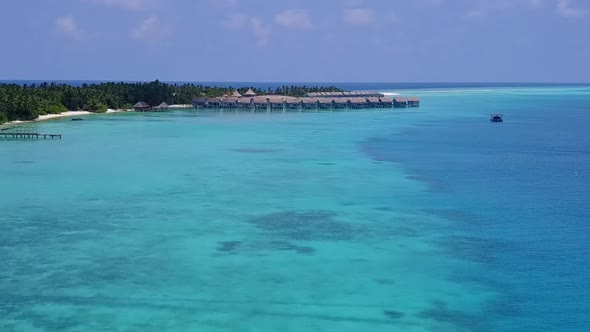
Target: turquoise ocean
[428, 219]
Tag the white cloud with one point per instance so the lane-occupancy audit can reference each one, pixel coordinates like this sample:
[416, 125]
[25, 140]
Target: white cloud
[484, 8]
[68, 27]
[241, 21]
[295, 19]
[358, 16]
[535, 3]
[261, 31]
[235, 21]
[151, 30]
[565, 9]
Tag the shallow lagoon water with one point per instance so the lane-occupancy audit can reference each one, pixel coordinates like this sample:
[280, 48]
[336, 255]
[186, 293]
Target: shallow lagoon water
[429, 219]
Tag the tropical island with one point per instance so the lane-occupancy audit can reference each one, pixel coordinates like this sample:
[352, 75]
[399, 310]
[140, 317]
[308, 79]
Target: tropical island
[28, 102]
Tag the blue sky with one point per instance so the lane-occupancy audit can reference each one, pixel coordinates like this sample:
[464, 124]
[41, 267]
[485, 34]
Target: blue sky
[298, 40]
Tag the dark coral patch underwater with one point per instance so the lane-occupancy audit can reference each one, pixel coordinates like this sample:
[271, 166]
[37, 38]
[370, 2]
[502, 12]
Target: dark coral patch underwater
[307, 225]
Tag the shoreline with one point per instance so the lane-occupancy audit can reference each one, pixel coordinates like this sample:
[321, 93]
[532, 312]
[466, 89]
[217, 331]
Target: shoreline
[47, 117]
[67, 114]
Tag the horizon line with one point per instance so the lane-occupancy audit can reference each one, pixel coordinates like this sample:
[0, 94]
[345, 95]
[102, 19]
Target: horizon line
[312, 82]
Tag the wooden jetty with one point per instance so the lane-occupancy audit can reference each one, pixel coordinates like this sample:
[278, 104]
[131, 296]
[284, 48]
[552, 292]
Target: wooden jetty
[25, 132]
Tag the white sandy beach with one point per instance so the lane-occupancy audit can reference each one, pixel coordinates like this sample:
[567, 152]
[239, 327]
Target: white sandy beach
[64, 115]
[181, 106]
[61, 115]
[118, 111]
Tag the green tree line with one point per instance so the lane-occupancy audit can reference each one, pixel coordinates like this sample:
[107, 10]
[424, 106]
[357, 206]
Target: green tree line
[27, 102]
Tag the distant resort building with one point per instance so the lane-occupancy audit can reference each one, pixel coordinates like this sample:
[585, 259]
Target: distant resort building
[349, 94]
[249, 100]
[142, 106]
[162, 107]
[414, 102]
[400, 102]
[145, 107]
[249, 93]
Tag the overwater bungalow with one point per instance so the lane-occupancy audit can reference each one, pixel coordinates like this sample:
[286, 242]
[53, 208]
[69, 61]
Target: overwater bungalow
[229, 102]
[163, 107]
[370, 94]
[246, 103]
[358, 102]
[236, 94]
[199, 102]
[249, 93]
[260, 103]
[308, 103]
[322, 100]
[374, 102]
[293, 103]
[325, 103]
[336, 94]
[386, 102]
[400, 102]
[276, 102]
[213, 102]
[341, 102]
[142, 106]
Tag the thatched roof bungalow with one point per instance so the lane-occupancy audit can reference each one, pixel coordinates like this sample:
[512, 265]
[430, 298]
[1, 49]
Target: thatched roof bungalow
[142, 106]
[276, 101]
[249, 93]
[358, 102]
[400, 102]
[229, 102]
[161, 108]
[293, 103]
[386, 101]
[325, 102]
[260, 102]
[335, 94]
[413, 101]
[341, 102]
[308, 103]
[199, 102]
[213, 102]
[245, 102]
[373, 101]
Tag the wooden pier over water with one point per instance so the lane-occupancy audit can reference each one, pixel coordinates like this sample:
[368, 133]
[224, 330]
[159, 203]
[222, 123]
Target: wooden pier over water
[25, 132]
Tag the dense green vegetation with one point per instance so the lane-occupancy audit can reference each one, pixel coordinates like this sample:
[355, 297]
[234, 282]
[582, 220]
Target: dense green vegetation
[26, 102]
